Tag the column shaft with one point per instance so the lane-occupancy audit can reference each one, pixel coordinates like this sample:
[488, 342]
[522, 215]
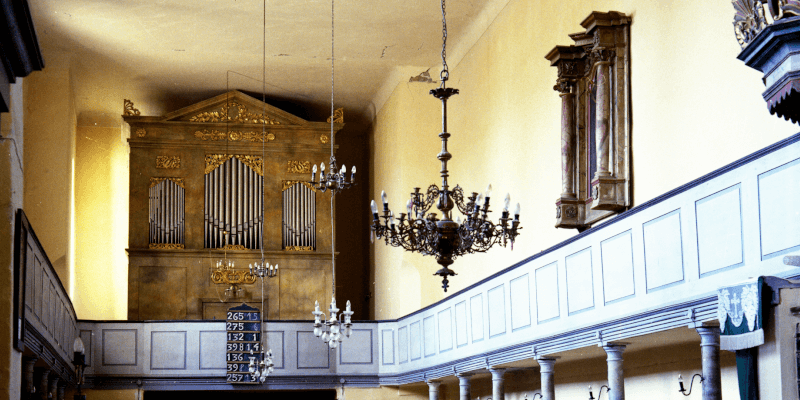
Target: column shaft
[602, 127]
[433, 390]
[709, 348]
[464, 392]
[616, 379]
[27, 376]
[498, 389]
[567, 145]
[547, 370]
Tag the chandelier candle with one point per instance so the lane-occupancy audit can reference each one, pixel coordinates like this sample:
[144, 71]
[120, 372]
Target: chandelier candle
[422, 232]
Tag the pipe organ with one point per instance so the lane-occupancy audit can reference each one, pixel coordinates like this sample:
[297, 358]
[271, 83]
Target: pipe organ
[223, 179]
[166, 212]
[233, 203]
[299, 216]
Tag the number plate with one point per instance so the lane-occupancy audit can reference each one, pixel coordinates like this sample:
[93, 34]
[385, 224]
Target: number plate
[243, 326]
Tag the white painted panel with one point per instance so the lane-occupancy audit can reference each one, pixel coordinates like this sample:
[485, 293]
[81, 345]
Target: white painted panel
[119, 347]
[312, 353]
[520, 293]
[617, 264]
[461, 323]
[168, 350]
[778, 194]
[415, 340]
[275, 342]
[429, 328]
[357, 349]
[476, 317]
[212, 350]
[445, 329]
[402, 344]
[547, 292]
[580, 282]
[663, 252]
[719, 230]
[497, 310]
[387, 346]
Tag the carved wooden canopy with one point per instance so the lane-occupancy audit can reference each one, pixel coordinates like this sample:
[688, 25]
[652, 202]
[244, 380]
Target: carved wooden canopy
[594, 86]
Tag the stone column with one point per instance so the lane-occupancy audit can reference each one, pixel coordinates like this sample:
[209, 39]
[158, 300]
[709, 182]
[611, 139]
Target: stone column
[616, 380]
[602, 113]
[498, 389]
[27, 376]
[567, 143]
[433, 389]
[42, 376]
[464, 386]
[547, 367]
[709, 348]
[61, 390]
[52, 386]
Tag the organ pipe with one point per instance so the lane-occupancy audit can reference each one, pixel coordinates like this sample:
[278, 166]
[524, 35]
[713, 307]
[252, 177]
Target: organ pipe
[166, 212]
[234, 193]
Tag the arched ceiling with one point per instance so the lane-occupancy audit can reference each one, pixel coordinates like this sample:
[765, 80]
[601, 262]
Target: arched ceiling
[166, 54]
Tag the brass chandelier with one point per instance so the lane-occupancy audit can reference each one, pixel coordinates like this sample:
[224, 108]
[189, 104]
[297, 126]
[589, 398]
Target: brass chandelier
[422, 232]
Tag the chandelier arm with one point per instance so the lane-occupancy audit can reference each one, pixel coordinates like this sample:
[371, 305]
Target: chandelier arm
[458, 198]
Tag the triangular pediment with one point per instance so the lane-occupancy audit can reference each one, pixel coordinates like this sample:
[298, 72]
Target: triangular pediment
[234, 107]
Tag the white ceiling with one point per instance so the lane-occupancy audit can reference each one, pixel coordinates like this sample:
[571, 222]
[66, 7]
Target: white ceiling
[166, 54]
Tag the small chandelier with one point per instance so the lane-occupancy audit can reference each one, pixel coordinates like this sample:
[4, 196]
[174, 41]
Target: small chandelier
[330, 329]
[261, 364]
[422, 232]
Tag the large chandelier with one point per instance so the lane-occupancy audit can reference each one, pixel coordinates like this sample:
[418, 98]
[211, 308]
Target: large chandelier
[331, 329]
[422, 232]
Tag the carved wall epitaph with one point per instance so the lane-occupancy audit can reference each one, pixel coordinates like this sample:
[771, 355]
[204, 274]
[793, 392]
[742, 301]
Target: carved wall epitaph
[593, 83]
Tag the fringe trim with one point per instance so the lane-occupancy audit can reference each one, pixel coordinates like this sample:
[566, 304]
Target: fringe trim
[743, 341]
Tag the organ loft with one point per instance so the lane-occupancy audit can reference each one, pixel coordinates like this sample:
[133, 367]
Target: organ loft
[222, 182]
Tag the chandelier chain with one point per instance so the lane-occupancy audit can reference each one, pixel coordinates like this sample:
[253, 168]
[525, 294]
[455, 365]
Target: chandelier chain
[445, 74]
[333, 159]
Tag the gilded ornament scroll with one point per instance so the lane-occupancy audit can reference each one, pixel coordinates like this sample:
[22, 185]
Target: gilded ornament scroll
[241, 116]
[299, 248]
[168, 162]
[298, 167]
[338, 116]
[156, 180]
[166, 246]
[234, 136]
[288, 184]
[213, 161]
[127, 108]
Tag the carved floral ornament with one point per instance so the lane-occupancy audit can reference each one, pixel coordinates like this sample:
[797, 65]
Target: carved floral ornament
[166, 246]
[168, 162]
[156, 180]
[234, 136]
[213, 161]
[750, 18]
[128, 108]
[241, 116]
[287, 184]
[298, 167]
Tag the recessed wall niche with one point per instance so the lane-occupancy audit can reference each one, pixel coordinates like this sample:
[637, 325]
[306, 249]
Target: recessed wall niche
[594, 86]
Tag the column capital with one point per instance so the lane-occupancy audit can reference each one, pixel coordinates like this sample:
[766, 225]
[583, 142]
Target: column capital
[614, 350]
[546, 364]
[433, 384]
[709, 335]
[497, 373]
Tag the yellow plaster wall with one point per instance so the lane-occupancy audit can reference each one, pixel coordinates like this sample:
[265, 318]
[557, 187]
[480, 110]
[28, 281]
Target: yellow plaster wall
[11, 198]
[101, 215]
[695, 108]
[48, 158]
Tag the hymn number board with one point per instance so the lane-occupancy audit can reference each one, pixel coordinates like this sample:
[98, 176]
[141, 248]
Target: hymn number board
[243, 325]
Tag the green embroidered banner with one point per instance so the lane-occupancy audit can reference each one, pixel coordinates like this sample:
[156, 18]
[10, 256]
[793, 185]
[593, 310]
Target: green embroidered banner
[740, 313]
